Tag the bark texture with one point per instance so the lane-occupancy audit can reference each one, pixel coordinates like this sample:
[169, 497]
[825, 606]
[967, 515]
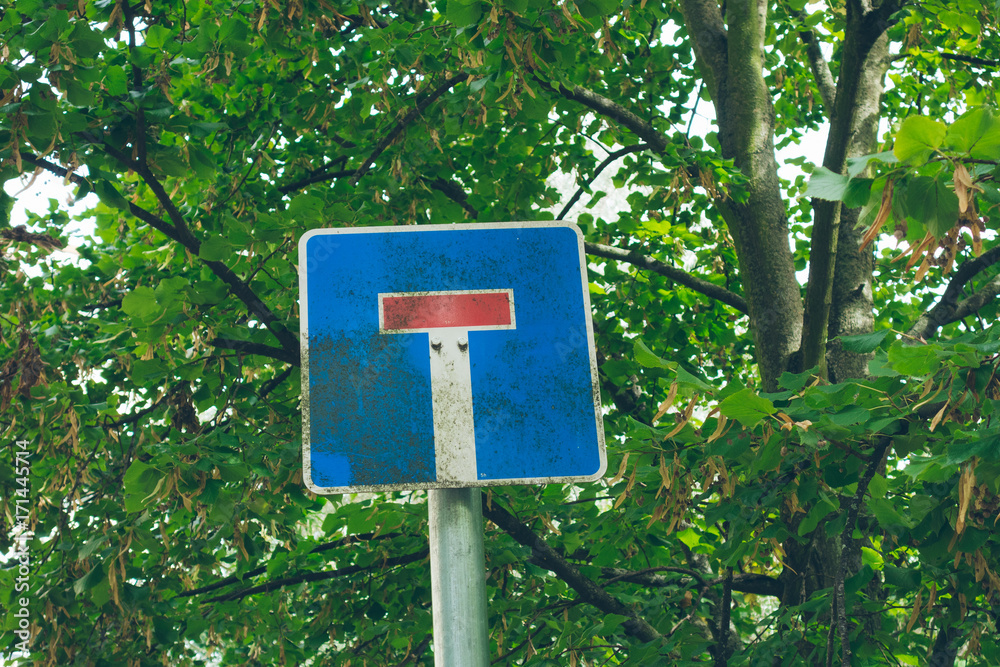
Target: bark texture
[852, 300]
[732, 63]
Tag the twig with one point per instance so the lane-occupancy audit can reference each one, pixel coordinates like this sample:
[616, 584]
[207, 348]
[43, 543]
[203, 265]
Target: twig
[677, 275]
[597, 172]
[387, 140]
[319, 576]
[944, 312]
[261, 349]
[545, 556]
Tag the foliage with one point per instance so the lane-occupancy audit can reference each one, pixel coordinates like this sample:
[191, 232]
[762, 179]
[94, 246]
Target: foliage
[762, 508]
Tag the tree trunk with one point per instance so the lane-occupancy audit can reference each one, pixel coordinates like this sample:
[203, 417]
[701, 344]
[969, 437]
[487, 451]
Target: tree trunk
[731, 63]
[851, 310]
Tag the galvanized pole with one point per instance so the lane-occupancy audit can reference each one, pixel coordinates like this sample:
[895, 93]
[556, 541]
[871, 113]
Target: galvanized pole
[458, 578]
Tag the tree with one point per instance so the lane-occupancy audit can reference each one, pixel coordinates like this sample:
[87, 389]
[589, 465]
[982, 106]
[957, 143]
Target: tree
[800, 475]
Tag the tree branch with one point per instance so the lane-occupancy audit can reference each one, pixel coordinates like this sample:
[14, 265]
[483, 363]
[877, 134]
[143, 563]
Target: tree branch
[817, 63]
[319, 576]
[454, 192]
[597, 172]
[545, 556]
[677, 275]
[616, 112]
[709, 38]
[947, 643]
[948, 308]
[757, 584]
[724, 619]
[387, 140]
[179, 232]
[971, 60]
[248, 347]
[853, 509]
[232, 579]
[319, 176]
[865, 26]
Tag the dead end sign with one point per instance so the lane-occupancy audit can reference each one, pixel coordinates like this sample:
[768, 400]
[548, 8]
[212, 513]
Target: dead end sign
[447, 356]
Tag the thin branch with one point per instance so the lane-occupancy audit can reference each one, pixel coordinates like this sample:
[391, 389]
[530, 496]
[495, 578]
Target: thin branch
[173, 213]
[336, 544]
[182, 235]
[62, 172]
[817, 63]
[545, 556]
[136, 416]
[971, 60]
[724, 619]
[986, 294]
[949, 308]
[320, 576]
[320, 176]
[853, 509]
[612, 110]
[648, 576]
[140, 113]
[273, 383]
[677, 275]
[454, 192]
[749, 582]
[387, 140]
[248, 347]
[597, 172]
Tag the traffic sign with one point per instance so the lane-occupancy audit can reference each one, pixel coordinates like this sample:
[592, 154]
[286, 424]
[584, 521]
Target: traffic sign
[444, 356]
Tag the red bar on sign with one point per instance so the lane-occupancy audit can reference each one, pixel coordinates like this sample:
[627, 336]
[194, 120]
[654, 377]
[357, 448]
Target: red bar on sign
[431, 311]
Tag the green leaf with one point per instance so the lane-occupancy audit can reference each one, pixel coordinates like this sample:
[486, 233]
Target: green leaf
[305, 207]
[872, 558]
[88, 549]
[216, 249]
[115, 80]
[823, 507]
[958, 21]
[987, 447]
[858, 193]
[464, 14]
[887, 515]
[139, 482]
[864, 343]
[917, 138]
[201, 162]
[969, 129]
[904, 578]
[647, 358]
[746, 407]
[857, 165]
[109, 195]
[828, 185]
[931, 202]
[141, 303]
[593, 8]
[878, 486]
[914, 360]
[769, 455]
[89, 580]
[685, 378]
[157, 36]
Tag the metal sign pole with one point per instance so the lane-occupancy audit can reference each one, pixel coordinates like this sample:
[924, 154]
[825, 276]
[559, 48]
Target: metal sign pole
[458, 577]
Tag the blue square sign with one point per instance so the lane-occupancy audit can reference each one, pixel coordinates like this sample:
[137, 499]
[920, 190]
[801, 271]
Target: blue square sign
[443, 356]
